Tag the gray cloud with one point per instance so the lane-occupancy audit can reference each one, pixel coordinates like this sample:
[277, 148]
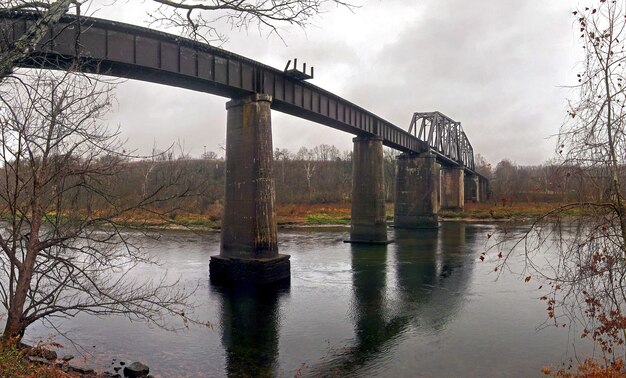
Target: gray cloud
[496, 66]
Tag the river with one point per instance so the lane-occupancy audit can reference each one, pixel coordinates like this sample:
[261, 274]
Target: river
[425, 305]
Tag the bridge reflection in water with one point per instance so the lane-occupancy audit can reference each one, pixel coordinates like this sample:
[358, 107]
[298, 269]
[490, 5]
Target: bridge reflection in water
[414, 285]
[250, 329]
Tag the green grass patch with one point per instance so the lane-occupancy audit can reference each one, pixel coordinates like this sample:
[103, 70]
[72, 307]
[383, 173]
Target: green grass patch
[517, 211]
[452, 214]
[12, 363]
[327, 218]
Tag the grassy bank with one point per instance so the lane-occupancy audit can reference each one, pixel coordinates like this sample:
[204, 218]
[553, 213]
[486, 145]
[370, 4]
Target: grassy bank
[339, 214]
[512, 211]
[335, 214]
[15, 364]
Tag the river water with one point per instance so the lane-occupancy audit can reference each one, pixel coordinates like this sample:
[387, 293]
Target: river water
[425, 305]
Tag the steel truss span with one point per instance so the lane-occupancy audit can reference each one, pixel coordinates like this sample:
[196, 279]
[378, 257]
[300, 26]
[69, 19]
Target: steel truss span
[444, 136]
[113, 48]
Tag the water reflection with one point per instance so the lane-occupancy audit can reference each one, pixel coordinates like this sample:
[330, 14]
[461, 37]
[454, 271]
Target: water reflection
[418, 258]
[423, 306]
[250, 329]
[433, 271]
[423, 291]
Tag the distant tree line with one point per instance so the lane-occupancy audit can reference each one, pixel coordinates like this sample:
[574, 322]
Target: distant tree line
[550, 182]
[323, 174]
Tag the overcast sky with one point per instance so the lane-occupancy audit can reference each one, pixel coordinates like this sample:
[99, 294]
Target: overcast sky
[500, 67]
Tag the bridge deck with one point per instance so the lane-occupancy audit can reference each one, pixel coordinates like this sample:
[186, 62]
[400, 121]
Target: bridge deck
[133, 52]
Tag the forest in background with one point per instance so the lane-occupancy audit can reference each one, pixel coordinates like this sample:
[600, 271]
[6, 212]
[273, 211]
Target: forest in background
[323, 175]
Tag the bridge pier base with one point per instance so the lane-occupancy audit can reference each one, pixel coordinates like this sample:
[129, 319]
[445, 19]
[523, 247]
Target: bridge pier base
[369, 224]
[453, 188]
[417, 183]
[249, 248]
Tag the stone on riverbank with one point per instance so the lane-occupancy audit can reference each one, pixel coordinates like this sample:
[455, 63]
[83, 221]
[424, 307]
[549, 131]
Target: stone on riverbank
[136, 369]
[38, 351]
[38, 360]
[67, 357]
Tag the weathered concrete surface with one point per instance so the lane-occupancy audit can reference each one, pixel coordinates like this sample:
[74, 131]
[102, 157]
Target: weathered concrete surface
[249, 250]
[472, 188]
[438, 185]
[476, 183]
[483, 189]
[368, 192]
[225, 270]
[453, 188]
[417, 182]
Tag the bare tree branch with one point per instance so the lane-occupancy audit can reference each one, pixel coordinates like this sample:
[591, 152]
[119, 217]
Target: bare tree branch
[62, 246]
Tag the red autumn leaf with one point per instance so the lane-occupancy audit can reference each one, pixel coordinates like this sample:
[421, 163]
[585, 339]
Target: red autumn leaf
[527, 279]
[546, 370]
[482, 258]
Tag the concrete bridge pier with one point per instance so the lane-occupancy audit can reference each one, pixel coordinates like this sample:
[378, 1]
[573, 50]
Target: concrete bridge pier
[483, 189]
[249, 249]
[472, 188]
[369, 223]
[453, 188]
[417, 195]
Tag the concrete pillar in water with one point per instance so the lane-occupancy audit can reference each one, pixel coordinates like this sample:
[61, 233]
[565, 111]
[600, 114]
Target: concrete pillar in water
[483, 189]
[472, 188]
[368, 192]
[453, 188]
[476, 183]
[248, 249]
[438, 186]
[417, 183]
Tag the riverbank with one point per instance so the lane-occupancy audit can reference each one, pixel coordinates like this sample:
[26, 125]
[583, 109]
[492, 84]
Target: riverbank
[23, 361]
[292, 215]
[521, 211]
[338, 214]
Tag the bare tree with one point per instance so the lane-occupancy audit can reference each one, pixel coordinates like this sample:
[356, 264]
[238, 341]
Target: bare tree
[586, 260]
[199, 19]
[504, 182]
[325, 152]
[62, 250]
[389, 163]
[483, 167]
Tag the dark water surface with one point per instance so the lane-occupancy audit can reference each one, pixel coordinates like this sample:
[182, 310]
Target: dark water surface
[422, 306]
